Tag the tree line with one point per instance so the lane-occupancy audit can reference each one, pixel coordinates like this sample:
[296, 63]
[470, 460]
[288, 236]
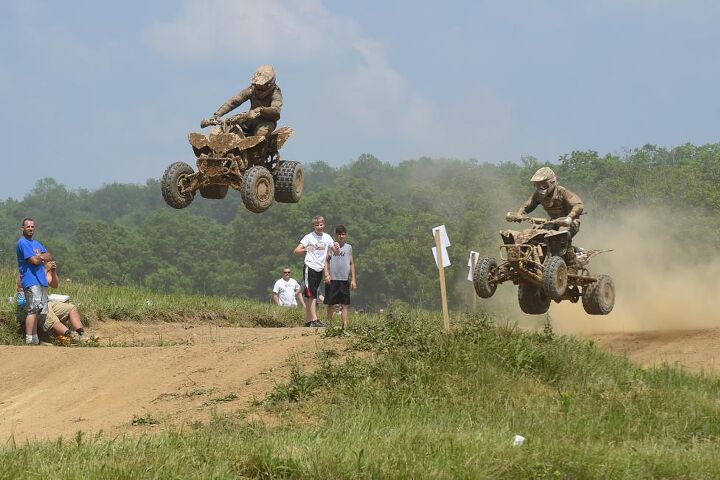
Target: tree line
[125, 234]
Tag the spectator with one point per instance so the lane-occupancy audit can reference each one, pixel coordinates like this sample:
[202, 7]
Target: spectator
[286, 290]
[60, 315]
[63, 318]
[339, 276]
[315, 246]
[31, 255]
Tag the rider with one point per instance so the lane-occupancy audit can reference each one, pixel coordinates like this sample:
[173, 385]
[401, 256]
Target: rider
[560, 204]
[265, 102]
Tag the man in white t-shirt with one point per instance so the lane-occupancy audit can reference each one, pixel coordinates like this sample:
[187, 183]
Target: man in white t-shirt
[286, 289]
[315, 245]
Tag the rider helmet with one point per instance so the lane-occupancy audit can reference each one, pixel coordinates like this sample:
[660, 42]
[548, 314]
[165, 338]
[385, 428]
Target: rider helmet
[545, 181]
[264, 77]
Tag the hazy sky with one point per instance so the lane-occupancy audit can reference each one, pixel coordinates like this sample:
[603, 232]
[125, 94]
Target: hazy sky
[94, 92]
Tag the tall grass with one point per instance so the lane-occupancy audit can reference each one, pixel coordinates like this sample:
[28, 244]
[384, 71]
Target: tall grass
[97, 302]
[413, 402]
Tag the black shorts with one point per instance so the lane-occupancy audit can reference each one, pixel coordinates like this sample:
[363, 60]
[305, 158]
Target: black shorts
[337, 292]
[311, 281]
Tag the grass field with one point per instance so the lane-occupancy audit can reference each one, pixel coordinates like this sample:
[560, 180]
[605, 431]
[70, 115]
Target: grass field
[409, 401]
[105, 302]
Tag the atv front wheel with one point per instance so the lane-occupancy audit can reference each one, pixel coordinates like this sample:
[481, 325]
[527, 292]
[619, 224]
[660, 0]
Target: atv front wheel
[289, 182]
[599, 298]
[532, 299]
[170, 185]
[555, 278]
[258, 189]
[485, 268]
[217, 192]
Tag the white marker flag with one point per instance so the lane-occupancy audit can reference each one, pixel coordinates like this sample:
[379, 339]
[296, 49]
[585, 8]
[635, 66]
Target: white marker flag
[446, 257]
[444, 240]
[471, 264]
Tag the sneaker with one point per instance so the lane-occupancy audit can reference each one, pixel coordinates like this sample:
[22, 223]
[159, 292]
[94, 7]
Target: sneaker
[317, 323]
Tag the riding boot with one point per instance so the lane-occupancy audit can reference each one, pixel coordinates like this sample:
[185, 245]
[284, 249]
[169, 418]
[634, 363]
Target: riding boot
[570, 259]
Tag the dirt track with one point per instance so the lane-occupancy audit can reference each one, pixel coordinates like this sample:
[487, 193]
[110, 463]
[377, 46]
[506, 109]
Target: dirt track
[175, 374]
[165, 372]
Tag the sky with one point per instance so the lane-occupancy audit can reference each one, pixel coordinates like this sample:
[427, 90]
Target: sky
[93, 92]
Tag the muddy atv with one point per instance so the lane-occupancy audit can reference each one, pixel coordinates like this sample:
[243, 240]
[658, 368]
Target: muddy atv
[229, 157]
[534, 260]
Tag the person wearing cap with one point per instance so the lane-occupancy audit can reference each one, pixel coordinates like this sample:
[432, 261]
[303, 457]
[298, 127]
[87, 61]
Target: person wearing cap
[265, 102]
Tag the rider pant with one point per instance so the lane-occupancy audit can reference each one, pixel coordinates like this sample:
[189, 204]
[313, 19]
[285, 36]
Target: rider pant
[260, 127]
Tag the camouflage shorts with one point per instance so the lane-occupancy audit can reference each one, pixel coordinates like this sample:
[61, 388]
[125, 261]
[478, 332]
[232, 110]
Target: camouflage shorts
[36, 299]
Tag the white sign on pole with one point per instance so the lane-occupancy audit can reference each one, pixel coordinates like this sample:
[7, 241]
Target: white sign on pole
[471, 264]
[446, 257]
[444, 240]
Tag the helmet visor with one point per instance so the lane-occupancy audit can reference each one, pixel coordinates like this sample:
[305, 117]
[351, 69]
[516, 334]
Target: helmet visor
[264, 86]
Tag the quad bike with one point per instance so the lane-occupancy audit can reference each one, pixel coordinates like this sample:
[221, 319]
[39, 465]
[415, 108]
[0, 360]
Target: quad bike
[534, 260]
[229, 157]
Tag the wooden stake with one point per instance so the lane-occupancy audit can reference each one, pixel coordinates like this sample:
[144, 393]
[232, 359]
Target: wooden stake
[472, 287]
[441, 271]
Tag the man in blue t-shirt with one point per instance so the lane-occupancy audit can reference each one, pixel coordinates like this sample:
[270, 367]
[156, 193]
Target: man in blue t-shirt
[31, 256]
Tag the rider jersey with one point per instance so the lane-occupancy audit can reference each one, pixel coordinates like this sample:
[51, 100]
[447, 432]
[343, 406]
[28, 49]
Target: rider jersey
[562, 203]
[273, 101]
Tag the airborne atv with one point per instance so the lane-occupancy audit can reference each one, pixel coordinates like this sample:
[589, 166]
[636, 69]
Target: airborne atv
[228, 157]
[534, 261]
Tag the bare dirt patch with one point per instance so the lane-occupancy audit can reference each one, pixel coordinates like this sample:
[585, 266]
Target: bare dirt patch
[692, 350]
[144, 376]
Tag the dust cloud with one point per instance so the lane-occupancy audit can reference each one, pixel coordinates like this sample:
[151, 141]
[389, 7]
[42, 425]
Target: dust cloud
[665, 279]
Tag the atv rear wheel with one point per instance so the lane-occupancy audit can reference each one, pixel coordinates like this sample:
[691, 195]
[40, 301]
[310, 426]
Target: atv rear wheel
[214, 191]
[258, 189]
[485, 268]
[170, 185]
[532, 299]
[289, 182]
[555, 278]
[599, 298]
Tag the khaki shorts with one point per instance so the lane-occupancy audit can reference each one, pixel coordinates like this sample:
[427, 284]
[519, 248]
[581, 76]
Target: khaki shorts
[57, 312]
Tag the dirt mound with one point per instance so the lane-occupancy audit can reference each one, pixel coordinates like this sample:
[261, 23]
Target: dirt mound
[153, 376]
[145, 376]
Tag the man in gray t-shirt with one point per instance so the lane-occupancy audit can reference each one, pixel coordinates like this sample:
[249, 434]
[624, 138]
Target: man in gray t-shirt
[339, 276]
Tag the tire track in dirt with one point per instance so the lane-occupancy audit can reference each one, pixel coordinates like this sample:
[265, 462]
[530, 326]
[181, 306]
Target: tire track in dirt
[181, 375]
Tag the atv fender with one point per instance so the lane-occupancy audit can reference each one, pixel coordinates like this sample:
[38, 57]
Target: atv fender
[279, 137]
[558, 242]
[224, 142]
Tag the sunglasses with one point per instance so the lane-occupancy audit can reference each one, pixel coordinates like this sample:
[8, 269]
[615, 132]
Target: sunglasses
[286, 273]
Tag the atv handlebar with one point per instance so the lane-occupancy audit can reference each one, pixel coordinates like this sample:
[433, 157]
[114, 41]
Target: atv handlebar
[207, 122]
[514, 217]
[239, 118]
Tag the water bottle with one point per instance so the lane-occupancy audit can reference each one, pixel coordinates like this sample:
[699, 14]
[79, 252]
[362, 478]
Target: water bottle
[20, 299]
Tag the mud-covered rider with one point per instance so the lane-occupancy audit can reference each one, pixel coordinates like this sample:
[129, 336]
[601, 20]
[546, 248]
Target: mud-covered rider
[265, 102]
[560, 204]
